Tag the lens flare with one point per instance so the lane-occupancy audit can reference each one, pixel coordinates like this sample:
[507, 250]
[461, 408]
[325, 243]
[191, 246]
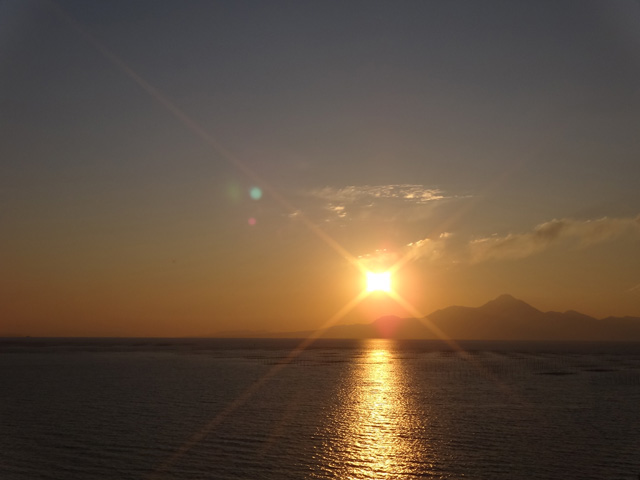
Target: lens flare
[255, 193]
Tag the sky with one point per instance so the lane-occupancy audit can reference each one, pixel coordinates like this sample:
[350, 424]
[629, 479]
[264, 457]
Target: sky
[179, 168]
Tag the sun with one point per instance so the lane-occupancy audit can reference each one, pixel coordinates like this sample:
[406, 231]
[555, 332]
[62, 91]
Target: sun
[378, 281]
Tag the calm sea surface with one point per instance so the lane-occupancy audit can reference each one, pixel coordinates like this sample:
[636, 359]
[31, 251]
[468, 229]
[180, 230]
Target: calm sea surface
[259, 409]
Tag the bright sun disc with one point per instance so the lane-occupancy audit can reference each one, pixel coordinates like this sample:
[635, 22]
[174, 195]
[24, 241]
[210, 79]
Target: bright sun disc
[378, 281]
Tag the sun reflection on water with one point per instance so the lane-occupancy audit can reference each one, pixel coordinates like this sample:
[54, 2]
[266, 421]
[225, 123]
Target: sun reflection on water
[376, 431]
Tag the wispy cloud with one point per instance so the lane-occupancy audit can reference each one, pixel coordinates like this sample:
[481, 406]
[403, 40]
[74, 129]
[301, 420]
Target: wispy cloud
[443, 247]
[406, 201]
[634, 289]
[543, 236]
[451, 249]
[370, 193]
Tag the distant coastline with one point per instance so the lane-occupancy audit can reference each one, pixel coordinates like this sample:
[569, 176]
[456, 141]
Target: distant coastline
[504, 318]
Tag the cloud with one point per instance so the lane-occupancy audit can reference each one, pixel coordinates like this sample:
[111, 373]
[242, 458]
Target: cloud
[379, 260]
[542, 237]
[379, 202]
[370, 193]
[449, 249]
[635, 288]
[339, 210]
[433, 249]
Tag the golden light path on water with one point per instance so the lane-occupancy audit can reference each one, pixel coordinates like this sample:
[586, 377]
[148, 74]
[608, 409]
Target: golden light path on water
[377, 431]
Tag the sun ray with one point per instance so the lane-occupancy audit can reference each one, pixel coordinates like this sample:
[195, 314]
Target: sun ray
[200, 132]
[252, 389]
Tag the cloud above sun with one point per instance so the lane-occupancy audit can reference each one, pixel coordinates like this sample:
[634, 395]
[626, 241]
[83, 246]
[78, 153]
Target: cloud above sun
[366, 202]
[368, 193]
[379, 260]
[406, 209]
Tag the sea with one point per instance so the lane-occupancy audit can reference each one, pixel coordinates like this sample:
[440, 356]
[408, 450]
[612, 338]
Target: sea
[324, 409]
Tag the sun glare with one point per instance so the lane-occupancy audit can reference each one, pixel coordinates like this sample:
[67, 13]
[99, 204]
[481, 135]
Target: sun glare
[378, 281]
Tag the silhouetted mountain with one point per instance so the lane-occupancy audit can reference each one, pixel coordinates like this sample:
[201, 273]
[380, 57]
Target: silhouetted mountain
[507, 318]
[504, 318]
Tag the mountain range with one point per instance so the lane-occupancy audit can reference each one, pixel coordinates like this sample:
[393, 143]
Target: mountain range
[504, 318]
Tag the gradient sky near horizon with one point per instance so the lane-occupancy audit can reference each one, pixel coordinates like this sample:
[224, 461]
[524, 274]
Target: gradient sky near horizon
[493, 145]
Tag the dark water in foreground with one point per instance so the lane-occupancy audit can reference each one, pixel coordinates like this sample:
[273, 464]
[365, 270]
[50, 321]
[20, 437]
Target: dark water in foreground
[235, 409]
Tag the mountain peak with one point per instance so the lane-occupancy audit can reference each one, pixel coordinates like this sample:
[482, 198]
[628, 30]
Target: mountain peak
[505, 298]
[507, 304]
